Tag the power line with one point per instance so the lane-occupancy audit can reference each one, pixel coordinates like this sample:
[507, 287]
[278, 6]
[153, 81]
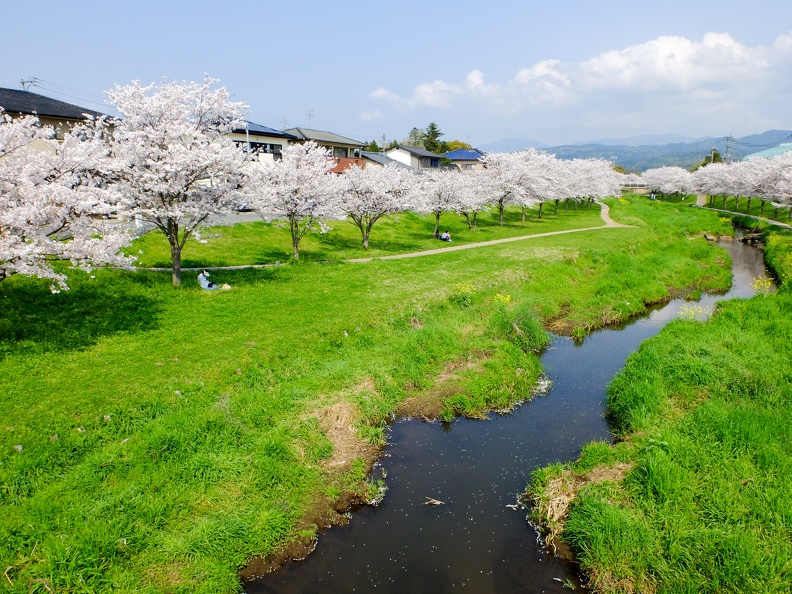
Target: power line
[37, 82]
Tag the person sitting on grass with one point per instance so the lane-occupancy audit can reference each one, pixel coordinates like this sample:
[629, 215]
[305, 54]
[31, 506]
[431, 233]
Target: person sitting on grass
[203, 280]
[445, 236]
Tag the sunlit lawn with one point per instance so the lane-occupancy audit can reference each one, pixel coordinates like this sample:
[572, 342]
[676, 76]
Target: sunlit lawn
[154, 438]
[264, 243]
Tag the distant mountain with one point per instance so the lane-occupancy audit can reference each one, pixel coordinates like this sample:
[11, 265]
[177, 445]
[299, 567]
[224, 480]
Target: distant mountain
[681, 154]
[644, 140]
[511, 145]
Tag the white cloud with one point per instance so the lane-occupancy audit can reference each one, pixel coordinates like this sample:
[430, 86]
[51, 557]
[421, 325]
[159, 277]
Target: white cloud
[673, 63]
[693, 72]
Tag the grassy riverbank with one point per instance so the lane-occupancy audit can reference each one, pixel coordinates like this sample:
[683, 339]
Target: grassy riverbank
[154, 439]
[697, 494]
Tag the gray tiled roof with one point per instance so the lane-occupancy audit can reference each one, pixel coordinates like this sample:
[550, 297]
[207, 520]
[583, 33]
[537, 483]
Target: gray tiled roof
[417, 151]
[25, 102]
[320, 137]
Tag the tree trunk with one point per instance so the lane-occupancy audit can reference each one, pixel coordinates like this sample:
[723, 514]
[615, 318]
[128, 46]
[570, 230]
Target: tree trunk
[365, 240]
[555, 210]
[566, 205]
[500, 210]
[523, 213]
[748, 207]
[437, 222]
[176, 260]
[294, 225]
[576, 205]
[724, 202]
[761, 211]
[541, 204]
[296, 247]
[775, 214]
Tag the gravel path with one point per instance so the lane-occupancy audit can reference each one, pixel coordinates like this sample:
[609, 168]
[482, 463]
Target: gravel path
[604, 215]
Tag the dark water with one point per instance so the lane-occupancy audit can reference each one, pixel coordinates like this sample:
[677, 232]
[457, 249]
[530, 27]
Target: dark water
[475, 542]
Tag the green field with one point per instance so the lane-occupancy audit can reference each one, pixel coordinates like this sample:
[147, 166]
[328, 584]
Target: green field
[154, 438]
[697, 494]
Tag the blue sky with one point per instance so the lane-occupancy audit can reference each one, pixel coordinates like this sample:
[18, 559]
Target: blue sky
[566, 71]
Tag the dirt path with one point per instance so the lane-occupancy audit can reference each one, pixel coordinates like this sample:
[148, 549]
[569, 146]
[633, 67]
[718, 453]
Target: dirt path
[604, 215]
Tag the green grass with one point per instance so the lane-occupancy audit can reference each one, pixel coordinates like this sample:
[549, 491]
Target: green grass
[704, 412]
[167, 435]
[266, 243]
[758, 208]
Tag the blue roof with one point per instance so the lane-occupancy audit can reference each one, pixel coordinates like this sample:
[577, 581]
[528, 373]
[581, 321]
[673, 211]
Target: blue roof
[781, 149]
[254, 128]
[464, 155]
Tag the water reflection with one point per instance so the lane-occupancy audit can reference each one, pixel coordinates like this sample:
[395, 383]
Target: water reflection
[476, 542]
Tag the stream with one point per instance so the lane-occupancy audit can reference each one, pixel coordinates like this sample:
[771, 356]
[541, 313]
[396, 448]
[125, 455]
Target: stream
[476, 542]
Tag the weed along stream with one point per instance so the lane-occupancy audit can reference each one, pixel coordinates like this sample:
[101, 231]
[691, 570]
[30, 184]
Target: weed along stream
[478, 539]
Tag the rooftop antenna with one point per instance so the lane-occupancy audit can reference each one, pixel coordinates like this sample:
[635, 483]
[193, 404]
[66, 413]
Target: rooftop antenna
[310, 116]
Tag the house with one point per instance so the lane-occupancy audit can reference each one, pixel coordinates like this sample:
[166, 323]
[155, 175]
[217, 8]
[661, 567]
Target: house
[260, 141]
[414, 157]
[345, 150]
[380, 160]
[50, 112]
[466, 158]
[781, 149]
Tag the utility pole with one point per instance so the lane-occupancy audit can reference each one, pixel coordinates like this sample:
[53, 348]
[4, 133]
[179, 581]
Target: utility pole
[310, 116]
[729, 141]
[27, 83]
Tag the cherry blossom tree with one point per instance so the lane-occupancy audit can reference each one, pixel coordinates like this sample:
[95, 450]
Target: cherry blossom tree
[438, 192]
[175, 164]
[474, 195]
[668, 180]
[713, 180]
[52, 199]
[593, 179]
[508, 171]
[298, 188]
[368, 194]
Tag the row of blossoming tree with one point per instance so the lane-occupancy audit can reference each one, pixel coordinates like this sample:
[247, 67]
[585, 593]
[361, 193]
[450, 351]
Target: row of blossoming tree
[169, 160]
[768, 180]
[300, 188]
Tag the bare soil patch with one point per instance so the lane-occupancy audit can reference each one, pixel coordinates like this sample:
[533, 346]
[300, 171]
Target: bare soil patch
[429, 404]
[553, 503]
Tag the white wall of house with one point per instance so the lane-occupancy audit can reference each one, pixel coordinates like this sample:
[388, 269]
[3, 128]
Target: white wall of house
[402, 156]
